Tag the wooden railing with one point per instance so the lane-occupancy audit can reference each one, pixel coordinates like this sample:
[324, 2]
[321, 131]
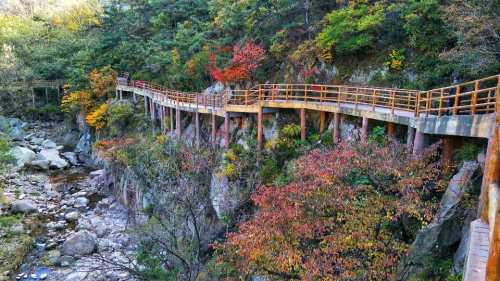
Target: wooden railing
[476, 97]
[34, 84]
[470, 98]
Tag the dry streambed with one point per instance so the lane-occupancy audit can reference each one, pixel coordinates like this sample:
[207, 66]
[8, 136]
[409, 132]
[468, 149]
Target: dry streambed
[55, 223]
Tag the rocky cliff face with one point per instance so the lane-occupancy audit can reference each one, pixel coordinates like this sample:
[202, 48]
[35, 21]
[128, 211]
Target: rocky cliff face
[445, 238]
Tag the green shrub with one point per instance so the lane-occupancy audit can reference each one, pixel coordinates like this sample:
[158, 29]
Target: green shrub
[351, 29]
[377, 136]
[229, 170]
[120, 117]
[5, 157]
[290, 131]
[268, 170]
[467, 152]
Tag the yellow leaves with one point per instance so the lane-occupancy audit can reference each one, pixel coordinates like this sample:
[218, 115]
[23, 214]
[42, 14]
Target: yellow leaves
[97, 118]
[326, 53]
[176, 56]
[102, 81]
[396, 59]
[76, 100]
[78, 17]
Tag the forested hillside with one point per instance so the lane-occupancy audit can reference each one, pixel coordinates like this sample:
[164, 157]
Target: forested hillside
[415, 44]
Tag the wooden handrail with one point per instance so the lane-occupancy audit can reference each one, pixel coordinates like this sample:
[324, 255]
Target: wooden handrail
[475, 97]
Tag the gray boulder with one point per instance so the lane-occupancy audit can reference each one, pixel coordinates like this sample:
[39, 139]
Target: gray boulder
[84, 148]
[71, 157]
[52, 155]
[49, 144]
[22, 155]
[81, 201]
[445, 231]
[23, 206]
[80, 243]
[4, 124]
[40, 164]
[17, 133]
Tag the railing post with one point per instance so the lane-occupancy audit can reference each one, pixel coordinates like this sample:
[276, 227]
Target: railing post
[474, 97]
[260, 92]
[457, 94]
[440, 101]
[428, 104]
[338, 96]
[417, 105]
[393, 94]
[305, 93]
[356, 99]
[286, 91]
[497, 105]
[373, 99]
[246, 97]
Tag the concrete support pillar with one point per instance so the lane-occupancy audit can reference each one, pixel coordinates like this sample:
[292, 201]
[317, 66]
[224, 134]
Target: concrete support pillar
[419, 142]
[410, 136]
[214, 128]
[134, 96]
[322, 117]
[364, 130]
[145, 106]
[226, 130]
[46, 95]
[152, 109]
[259, 128]
[178, 122]
[491, 172]
[162, 119]
[390, 130]
[336, 127]
[171, 115]
[121, 95]
[197, 127]
[303, 124]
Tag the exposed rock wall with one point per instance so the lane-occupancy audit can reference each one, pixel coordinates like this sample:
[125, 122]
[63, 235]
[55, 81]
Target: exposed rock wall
[448, 232]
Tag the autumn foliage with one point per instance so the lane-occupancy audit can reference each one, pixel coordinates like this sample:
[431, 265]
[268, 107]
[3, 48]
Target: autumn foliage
[244, 62]
[340, 219]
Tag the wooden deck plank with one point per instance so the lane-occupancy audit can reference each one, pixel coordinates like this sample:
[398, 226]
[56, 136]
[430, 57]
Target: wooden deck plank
[477, 256]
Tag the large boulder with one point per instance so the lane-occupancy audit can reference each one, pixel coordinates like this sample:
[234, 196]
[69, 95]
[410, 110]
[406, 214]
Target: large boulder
[71, 157]
[23, 206]
[49, 144]
[84, 148]
[22, 155]
[40, 164]
[4, 124]
[17, 133]
[444, 233]
[80, 243]
[52, 155]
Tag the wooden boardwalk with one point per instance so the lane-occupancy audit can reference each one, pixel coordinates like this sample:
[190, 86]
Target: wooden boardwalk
[470, 109]
[477, 255]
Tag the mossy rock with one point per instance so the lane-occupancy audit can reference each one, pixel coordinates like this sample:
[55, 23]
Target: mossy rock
[13, 251]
